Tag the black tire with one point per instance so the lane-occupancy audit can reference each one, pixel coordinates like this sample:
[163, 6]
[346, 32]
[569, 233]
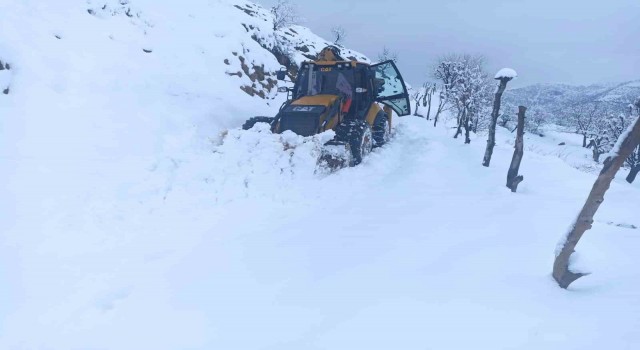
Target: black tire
[252, 121]
[380, 128]
[357, 133]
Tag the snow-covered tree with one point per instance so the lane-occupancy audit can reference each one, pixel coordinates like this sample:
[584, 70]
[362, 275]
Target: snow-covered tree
[506, 116]
[609, 130]
[387, 55]
[633, 161]
[284, 14]
[583, 117]
[634, 164]
[625, 145]
[606, 132]
[537, 118]
[339, 34]
[465, 88]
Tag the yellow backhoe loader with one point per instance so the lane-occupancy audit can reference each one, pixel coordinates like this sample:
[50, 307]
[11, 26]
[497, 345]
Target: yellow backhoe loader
[332, 93]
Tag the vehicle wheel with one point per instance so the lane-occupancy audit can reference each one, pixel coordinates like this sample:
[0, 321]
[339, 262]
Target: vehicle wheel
[357, 133]
[381, 133]
[252, 121]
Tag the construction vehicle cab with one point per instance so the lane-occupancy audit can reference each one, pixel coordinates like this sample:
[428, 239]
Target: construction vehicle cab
[332, 93]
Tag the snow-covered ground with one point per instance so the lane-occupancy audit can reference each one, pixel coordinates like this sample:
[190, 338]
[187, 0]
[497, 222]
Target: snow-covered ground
[559, 143]
[130, 218]
[415, 248]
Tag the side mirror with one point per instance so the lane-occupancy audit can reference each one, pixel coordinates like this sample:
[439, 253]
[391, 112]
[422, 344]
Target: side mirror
[281, 74]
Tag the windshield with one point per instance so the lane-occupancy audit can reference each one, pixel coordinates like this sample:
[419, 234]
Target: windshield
[330, 80]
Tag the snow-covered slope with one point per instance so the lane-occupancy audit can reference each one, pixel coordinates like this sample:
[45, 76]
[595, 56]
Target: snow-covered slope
[99, 92]
[108, 109]
[128, 222]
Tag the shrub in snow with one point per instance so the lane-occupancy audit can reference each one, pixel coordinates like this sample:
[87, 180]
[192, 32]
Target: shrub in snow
[5, 77]
[387, 55]
[339, 34]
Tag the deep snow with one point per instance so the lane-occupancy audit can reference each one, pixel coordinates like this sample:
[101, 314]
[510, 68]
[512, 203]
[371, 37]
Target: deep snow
[131, 218]
[414, 248]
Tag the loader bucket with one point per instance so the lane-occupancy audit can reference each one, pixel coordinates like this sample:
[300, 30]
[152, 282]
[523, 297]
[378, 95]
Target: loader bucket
[335, 155]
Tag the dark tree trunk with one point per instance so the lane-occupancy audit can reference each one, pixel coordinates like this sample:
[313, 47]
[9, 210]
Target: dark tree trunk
[416, 112]
[633, 173]
[491, 141]
[584, 140]
[561, 271]
[467, 127]
[596, 153]
[459, 129]
[429, 105]
[513, 179]
[440, 108]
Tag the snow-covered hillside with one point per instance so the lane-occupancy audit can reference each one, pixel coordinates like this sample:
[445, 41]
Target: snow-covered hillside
[134, 213]
[101, 92]
[109, 108]
[554, 97]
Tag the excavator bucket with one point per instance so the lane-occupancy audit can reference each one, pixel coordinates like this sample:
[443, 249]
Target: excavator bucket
[335, 155]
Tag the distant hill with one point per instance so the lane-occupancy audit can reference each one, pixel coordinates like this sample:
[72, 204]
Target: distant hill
[615, 97]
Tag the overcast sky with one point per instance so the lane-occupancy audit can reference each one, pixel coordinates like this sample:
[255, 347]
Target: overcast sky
[568, 41]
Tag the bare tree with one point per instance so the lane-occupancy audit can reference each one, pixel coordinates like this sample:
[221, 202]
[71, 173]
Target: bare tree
[339, 34]
[442, 103]
[387, 55]
[621, 151]
[583, 117]
[284, 14]
[504, 119]
[504, 76]
[429, 89]
[536, 120]
[417, 97]
[513, 179]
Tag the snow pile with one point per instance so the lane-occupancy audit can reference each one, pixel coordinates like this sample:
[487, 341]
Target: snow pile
[506, 73]
[257, 162]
